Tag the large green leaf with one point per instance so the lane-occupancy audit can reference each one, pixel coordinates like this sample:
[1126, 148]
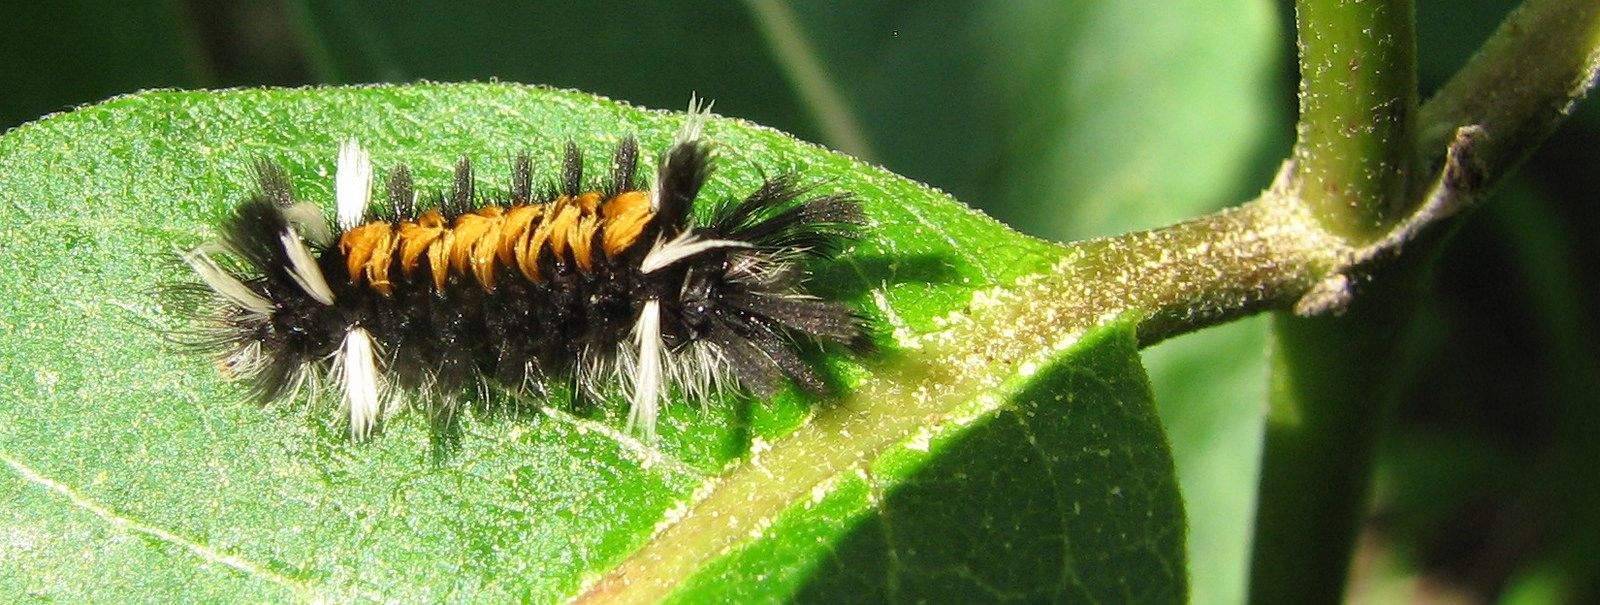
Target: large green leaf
[1095, 117]
[130, 462]
[1031, 497]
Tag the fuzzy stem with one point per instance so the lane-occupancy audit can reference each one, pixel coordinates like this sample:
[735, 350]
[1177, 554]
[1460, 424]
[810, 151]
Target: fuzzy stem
[1520, 84]
[1331, 394]
[1331, 384]
[1358, 86]
[1358, 98]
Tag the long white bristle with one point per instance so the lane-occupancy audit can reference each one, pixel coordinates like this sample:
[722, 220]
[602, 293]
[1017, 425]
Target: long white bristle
[303, 267]
[352, 184]
[685, 245]
[360, 377]
[224, 283]
[646, 395]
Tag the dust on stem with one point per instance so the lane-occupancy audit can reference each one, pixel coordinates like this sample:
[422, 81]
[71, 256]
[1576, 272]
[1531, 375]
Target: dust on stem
[1358, 103]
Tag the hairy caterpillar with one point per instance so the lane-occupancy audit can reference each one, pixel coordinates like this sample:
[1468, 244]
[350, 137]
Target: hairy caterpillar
[615, 284]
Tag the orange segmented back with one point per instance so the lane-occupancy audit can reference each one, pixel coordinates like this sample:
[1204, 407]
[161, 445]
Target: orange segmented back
[493, 238]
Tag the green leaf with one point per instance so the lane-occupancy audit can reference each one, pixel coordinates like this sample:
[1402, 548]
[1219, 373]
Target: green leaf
[125, 460]
[1032, 497]
[1075, 119]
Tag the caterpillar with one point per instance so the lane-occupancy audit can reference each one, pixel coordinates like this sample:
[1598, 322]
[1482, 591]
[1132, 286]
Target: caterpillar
[614, 287]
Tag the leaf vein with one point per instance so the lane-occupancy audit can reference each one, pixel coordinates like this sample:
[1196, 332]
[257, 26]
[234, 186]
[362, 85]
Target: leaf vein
[132, 525]
[647, 455]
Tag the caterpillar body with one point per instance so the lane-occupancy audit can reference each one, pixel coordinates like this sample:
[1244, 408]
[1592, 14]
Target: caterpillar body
[615, 284]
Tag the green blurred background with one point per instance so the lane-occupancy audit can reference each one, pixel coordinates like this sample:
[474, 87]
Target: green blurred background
[1065, 120]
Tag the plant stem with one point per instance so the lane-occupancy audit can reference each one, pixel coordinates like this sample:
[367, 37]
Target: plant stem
[1331, 384]
[1521, 83]
[1358, 98]
[1330, 391]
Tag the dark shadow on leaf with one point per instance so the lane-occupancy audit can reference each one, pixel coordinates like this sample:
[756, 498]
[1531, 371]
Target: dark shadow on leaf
[857, 275]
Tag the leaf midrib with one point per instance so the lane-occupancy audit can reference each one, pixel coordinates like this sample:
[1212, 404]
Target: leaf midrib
[961, 365]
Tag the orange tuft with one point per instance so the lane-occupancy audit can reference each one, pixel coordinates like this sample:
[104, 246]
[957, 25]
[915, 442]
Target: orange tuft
[417, 237]
[519, 220]
[364, 245]
[581, 239]
[566, 217]
[481, 242]
[626, 217]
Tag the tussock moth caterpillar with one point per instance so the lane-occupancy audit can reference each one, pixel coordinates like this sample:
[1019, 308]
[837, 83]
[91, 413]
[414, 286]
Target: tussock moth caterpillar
[614, 284]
